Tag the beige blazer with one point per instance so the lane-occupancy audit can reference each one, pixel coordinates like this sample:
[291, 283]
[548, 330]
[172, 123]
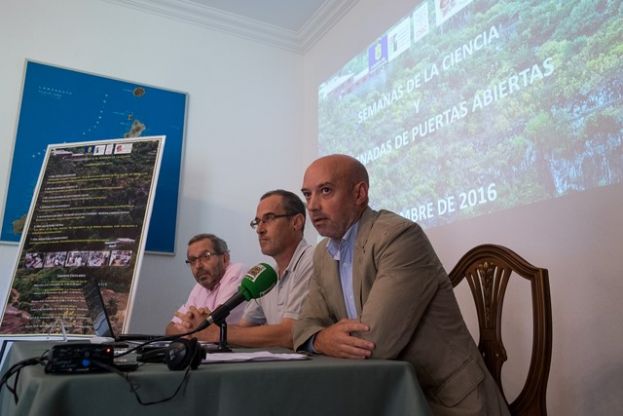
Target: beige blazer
[404, 294]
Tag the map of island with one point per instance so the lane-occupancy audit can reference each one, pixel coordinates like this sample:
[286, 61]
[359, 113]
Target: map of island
[66, 106]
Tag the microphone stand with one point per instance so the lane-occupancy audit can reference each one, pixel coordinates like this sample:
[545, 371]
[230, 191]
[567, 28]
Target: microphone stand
[222, 342]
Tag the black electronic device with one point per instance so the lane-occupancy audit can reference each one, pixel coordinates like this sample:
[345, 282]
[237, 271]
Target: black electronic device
[153, 353]
[184, 353]
[72, 358]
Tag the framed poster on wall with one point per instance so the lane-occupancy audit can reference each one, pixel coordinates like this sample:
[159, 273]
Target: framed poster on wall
[60, 104]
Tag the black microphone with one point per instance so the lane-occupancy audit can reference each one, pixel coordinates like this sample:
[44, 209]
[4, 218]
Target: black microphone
[256, 283]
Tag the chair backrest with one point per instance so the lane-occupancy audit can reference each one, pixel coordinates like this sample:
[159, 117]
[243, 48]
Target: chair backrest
[488, 269]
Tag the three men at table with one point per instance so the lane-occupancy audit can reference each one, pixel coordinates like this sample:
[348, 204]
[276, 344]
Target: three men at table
[378, 290]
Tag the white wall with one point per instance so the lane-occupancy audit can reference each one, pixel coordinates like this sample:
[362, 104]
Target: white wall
[243, 120]
[579, 239]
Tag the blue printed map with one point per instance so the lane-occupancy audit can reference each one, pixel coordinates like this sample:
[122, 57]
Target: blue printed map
[65, 106]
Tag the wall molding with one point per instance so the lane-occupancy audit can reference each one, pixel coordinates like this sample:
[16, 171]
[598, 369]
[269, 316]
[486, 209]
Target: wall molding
[299, 41]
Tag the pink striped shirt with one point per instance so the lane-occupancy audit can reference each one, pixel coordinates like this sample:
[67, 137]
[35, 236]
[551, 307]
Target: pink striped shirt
[200, 297]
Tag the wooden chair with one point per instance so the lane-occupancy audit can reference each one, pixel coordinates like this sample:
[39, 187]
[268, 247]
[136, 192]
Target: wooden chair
[488, 269]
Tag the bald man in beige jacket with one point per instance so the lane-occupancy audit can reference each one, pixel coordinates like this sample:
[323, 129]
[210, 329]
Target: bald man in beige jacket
[398, 303]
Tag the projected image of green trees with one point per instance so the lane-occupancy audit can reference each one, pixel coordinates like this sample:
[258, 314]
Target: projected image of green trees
[515, 102]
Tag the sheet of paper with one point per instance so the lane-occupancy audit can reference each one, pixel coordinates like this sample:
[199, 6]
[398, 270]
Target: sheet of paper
[223, 357]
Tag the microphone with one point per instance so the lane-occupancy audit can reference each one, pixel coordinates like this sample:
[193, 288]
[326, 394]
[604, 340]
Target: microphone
[256, 283]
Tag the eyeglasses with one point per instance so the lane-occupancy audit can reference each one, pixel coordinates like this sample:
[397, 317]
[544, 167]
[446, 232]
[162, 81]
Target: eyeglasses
[267, 218]
[191, 261]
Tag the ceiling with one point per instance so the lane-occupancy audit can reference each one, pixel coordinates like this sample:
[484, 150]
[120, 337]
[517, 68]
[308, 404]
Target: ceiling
[286, 14]
[294, 25]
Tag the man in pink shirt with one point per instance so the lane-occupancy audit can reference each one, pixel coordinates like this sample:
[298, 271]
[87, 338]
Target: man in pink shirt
[217, 280]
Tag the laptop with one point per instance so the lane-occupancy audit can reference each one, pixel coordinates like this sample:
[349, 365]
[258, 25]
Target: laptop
[152, 347]
[101, 320]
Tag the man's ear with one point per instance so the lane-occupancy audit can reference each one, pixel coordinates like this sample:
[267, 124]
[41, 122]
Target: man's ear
[298, 221]
[226, 259]
[361, 193]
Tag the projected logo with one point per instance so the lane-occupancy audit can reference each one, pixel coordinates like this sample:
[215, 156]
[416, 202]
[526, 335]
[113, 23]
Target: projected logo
[377, 54]
[445, 9]
[482, 106]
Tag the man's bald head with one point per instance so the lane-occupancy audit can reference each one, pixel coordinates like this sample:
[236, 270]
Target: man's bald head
[336, 190]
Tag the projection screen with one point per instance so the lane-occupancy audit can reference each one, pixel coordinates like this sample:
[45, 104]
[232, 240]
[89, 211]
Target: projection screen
[464, 108]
